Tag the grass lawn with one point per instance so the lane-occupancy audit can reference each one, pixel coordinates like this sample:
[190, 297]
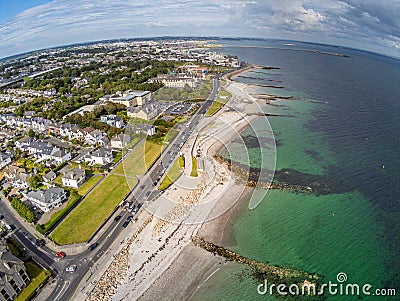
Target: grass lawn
[72, 199]
[93, 180]
[85, 219]
[139, 160]
[173, 174]
[135, 140]
[219, 103]
[58, 180]
[38, 277]
[117, 157]
[194, 168]
[170, 135]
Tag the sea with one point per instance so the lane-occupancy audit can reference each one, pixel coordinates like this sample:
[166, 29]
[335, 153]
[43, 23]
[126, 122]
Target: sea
[341, 129]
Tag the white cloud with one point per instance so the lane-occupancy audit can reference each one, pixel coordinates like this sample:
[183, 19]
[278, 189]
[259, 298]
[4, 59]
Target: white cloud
[360, 23]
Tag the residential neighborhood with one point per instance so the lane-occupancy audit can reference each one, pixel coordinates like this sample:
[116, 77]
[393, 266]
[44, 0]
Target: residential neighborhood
[73, 124]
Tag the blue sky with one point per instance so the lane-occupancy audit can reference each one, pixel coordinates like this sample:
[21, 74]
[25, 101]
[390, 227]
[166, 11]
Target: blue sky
[9, 8]
[366, 24]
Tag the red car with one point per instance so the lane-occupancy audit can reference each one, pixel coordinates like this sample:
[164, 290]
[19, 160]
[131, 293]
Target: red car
[61, 254]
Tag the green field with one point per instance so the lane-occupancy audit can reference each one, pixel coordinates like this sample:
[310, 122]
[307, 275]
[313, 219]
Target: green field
[93, 180]
[82, 222]
[135, 140]
[141, 158]
[38, 276]
[194, 172]
[219, 103]
[173, 174]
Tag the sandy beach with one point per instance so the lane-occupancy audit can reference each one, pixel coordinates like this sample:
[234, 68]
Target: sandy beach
[160, 261]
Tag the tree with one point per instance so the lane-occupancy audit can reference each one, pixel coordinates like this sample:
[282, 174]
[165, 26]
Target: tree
[23, 210]
[9, 144]
[31, 133]
[34, 181]
[187, 88]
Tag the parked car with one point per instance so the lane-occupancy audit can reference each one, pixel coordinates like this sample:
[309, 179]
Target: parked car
[61, 254]
[125, 224]
[1, 216]
[92, 246]
[71, 268]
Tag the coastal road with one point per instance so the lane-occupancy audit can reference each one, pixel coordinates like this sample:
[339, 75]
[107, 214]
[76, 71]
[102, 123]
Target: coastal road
[146, 190]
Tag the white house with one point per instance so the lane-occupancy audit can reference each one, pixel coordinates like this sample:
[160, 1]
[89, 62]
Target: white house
[17, 176]
[60, 156]
[47, 199]
[74, 178]
[94, 137]
[46, 151]
[50, 176]
[146, 129]
[120, 141]
[113, 120]
[101, 156]
[147, 111]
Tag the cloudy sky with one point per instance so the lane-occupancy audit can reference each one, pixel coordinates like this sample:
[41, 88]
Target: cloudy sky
[34, 24]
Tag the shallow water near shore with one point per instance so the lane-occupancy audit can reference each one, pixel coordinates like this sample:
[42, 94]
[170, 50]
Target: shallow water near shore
[344, 127]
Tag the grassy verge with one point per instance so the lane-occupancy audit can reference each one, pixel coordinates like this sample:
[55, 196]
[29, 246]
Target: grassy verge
[194, 168]
[72, 199]
[135, 140]
[222, 99]
[38, 277]
[139, 160]
[173, 174]
[15, 248]
[82, 222]
[93, 180]
[101, 201]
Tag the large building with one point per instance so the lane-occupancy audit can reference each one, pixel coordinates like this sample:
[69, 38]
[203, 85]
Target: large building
[13, 275]
[176, 80]
[74, 178]
[120, 141]
[129, 98]
[46, 199]
[148, 111]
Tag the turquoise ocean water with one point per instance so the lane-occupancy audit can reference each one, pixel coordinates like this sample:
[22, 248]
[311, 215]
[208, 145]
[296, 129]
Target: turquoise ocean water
[344, 128]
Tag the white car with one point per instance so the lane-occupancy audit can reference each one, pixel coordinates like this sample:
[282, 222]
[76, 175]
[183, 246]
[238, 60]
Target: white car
[71, 268]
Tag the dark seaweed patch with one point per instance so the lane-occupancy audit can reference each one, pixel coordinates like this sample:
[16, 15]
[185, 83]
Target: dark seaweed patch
[313, 154]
